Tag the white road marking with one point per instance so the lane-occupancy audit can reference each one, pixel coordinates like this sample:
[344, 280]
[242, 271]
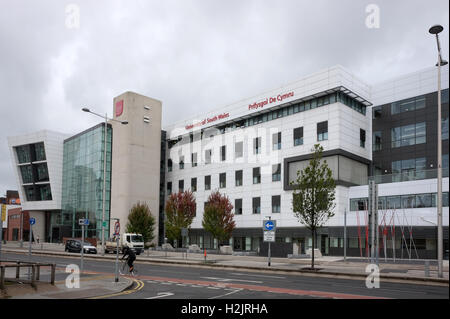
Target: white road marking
[230, 293]
[231, 279]
[265, 276]
[161, 295]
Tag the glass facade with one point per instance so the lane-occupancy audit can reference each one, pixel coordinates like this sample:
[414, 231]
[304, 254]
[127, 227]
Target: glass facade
[82, 191]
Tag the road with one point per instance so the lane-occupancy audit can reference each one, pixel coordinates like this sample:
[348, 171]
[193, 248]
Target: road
[156, 281]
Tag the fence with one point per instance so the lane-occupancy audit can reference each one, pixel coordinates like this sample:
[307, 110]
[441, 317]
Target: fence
[35, 272]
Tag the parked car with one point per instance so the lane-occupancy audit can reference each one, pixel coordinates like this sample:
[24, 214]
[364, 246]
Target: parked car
[74, 246]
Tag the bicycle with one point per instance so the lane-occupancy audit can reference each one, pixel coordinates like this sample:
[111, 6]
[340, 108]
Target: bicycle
[125, 269]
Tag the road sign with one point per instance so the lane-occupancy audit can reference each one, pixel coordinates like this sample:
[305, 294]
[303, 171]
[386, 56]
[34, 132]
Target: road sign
[116, 228]
[83, 221]
[32, 221]
[269, 225]
[269, 236]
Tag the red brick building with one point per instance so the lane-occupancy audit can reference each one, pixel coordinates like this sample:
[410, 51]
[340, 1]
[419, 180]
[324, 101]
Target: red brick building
[15, 217]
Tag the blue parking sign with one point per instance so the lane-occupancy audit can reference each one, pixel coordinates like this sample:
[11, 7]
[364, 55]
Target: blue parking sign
[32, 221]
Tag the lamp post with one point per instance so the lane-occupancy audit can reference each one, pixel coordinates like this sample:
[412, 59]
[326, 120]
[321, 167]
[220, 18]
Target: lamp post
[436, 29]
[85, 109]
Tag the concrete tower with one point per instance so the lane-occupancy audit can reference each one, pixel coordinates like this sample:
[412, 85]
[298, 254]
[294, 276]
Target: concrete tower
[135, 156]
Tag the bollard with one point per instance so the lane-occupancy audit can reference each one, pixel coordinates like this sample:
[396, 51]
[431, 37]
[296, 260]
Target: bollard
[2, 277]
[53, 274]
[33, 276]
[205, 255]
[18, 270]
[427, 268]
[38, 272]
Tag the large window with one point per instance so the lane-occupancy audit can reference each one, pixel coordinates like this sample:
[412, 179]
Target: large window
[276, 173]
[298, 136]
[256, 175]
[362, 138]
[207, 182]
[256, 205]
[238, 178]
[377, 141]
[409, 169]
[208, 154]
[27, 174]
[194, 159]
[322, 131]
[181, 185]
[181, 162]
[276, 141]
[39, 151]
[23, 154]
[169, 188]
[223, 153]
[444, 129]
[169, 165]
[194, 184]
[408, 135]
[222, 180]
[411, 104]
[276, 204]
[238, 149]
[257, 145]
[42, 172]
[238, 206]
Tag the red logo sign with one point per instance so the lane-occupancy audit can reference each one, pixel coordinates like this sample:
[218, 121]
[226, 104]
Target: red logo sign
[269, 100]
[119, 108]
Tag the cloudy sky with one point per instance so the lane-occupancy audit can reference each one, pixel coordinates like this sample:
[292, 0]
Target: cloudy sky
[194, 55]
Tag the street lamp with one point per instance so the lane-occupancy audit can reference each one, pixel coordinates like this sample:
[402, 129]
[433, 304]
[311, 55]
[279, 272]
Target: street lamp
[436, 29]
[85, 109]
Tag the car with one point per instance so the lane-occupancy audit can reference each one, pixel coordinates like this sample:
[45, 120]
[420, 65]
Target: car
[74, 246]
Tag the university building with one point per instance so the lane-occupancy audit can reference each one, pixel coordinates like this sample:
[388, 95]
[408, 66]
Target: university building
[251, 151]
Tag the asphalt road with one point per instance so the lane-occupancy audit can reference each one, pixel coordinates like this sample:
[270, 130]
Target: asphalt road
[156, 281]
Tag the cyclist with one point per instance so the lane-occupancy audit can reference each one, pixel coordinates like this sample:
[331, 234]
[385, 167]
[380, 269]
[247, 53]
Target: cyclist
[131, 257]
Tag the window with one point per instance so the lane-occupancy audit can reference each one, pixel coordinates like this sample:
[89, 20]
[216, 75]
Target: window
[23, 154]
[444, 129]
[276, 204]
[27, 174]
[298, 136]
[322, 131]
[276, 173]
[223, 151]
[276, 141]
[409, 169]
[256, 205]
[194, 159]
[238, 178]
[194, 184]
[257, 145]
[411, 104]
[238, 149]
[181, 186]
[423, 200]
[376, 112]
[181, 162]
[39, 151]
[362, 138]
[238, 206]
[256, 175]
[207, 182]
[42, 172]
[393, 202]
[408, 135]
[408, 201]
[169, 188]
[377, 141]
[169, 165]
[222, 180]
[208, 154]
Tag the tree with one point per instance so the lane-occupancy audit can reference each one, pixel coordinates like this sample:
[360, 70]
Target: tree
[218, 218]
[141, 221]
[180, 211]
[314, 194]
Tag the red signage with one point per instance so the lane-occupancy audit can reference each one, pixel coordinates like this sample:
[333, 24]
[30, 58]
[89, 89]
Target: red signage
[208, 120]
[119, 108]
[269, 100]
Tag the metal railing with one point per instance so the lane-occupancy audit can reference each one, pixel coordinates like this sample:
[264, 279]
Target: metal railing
[35, 272]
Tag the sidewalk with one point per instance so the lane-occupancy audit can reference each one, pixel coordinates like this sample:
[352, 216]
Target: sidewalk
[412, 271]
